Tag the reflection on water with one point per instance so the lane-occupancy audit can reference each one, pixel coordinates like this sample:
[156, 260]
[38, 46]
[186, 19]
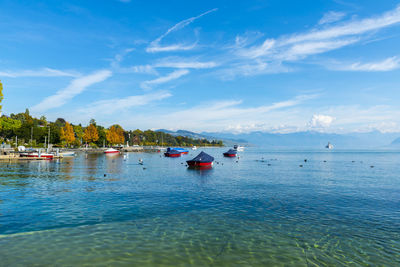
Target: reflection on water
[263, 209]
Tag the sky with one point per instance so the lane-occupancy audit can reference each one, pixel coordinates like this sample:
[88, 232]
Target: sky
[215, 66]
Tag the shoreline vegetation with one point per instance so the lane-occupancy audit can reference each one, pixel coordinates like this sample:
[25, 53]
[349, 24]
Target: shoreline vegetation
[23, 129]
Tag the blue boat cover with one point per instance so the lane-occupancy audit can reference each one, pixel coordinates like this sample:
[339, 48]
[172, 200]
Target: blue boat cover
[177, 149]
[231, 151]
[203, 157]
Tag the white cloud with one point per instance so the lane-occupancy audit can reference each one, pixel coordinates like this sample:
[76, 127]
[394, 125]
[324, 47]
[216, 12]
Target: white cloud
[299, 46]
[349, 29]
[331, 16]
[146, 69]
[321, 121]
[44, 72]
[388, 64]
[115, 105]
[223, 114]
[76, 87]
[155, 45]
[302, 50]
[164, 79]
[185, 64]
[258, 51]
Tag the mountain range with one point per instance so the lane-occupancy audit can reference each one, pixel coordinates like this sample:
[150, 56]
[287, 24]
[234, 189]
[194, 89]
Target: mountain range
[307, 139]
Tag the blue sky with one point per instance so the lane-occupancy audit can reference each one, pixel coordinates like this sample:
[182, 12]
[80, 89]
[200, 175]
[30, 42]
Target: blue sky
[237, 66]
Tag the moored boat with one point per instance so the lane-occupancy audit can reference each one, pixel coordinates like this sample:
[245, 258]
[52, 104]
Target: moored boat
[230, 153]
[201, 160]
[67, 154]
[329, 146]
[173, 153]
[37, 155]
[181, 150]
[194, 147]
[238, 148]
[111, 151]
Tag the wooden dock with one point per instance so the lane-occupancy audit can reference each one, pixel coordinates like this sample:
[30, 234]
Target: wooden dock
[16, 157]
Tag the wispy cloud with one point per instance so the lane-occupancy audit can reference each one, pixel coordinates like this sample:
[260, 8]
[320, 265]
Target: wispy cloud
[164, 79]
[76, 87]
[331, 16]
[179, 63]
[155, 45]
[350, 28]
[299, 46]
[388, 64]
[44, 72]
[112, 106]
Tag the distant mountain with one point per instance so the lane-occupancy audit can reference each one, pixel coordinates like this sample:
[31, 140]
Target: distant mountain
[227, 141]
[312, 139]
[396, 142]
[309, 139]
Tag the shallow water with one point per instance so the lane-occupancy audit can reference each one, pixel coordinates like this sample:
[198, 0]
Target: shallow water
[263, 209]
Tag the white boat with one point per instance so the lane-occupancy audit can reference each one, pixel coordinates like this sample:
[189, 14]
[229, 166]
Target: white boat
[194, 147]
[67, 154]
[238, 148]
[111, 151]
[329, 146]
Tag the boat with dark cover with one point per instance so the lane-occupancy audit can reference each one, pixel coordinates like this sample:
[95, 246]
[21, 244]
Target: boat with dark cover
[173, 153]
[230, 153]
[201, 160]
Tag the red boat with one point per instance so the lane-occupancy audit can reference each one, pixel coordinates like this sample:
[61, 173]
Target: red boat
[173, 153]
[201, 160]
[111, 151]
[37, 155]
[230, 153]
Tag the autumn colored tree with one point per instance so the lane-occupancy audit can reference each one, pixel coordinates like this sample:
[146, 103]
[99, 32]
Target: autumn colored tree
[91, 135]
[115, 135]
[78, 133]
[67, 133]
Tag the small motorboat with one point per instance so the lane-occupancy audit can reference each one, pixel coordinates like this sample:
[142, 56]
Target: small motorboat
[194, 147]
[230, 153]
[201, 160]
[67, 154]
[329, 146]
[238, 148]
[172, 153]
[111, 151]
[37, 155]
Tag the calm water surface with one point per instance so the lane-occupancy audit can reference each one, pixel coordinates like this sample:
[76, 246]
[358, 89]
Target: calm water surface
[263, 209]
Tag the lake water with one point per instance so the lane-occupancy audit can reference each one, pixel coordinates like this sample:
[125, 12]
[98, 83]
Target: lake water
[335, 210]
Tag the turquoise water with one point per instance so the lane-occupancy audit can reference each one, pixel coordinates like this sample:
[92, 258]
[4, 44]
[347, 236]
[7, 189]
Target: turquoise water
[261, 210]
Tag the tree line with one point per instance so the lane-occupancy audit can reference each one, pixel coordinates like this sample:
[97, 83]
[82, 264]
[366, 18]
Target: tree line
[23, 129]
[28, 130]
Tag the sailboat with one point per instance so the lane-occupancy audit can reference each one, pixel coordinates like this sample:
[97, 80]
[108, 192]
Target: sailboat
[329, 146]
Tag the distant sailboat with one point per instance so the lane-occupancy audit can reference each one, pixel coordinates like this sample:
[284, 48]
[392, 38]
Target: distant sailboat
[238, 148]
[329, 146]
